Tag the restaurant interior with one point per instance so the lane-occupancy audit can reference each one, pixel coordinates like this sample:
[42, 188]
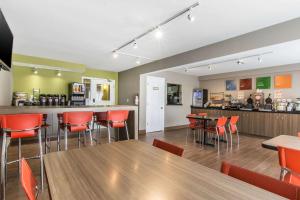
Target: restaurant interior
[149, 99]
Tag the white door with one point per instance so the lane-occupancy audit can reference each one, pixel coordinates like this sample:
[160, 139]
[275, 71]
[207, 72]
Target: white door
[155, 103]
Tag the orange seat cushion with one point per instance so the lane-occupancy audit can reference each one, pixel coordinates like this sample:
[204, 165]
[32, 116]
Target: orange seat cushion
[24, 134]
[78, 128]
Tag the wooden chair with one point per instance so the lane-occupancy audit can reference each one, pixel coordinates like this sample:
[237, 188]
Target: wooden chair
[168, 147]
[262, 181]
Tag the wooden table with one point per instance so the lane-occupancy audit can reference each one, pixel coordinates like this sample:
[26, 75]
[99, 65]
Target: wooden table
[205, 119]
[288, 141]
[136, 170]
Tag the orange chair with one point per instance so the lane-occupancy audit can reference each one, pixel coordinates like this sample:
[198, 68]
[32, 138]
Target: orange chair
[18, 126]
[77, 122]
[168, 147]
[232, 126]
[219, 130]
[28, 181]
[193, 126]
[100, 120]
[117, 119]
[299, 134]
[290, 165]
[262, 181]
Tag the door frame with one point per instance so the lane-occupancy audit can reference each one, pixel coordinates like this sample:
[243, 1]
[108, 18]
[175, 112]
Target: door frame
[163, 103]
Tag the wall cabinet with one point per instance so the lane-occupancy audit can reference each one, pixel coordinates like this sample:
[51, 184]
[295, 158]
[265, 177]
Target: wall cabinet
[269, 124]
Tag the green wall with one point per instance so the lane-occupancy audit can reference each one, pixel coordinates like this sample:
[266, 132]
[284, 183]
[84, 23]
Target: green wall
[24, 80]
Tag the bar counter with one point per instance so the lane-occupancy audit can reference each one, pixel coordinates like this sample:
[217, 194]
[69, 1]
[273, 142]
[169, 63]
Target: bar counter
[261, 123]
[52, 111]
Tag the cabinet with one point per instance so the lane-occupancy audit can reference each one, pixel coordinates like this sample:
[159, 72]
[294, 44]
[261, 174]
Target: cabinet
[269, 124]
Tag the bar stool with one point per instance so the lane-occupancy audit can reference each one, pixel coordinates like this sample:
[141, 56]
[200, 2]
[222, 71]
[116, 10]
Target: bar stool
[232, 126]
[117, 119]
[76, 122]
[18, 126]
[100, 120]
[219, 130]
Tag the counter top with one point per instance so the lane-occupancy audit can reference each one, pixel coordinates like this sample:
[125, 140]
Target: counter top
[283, 112]
[54, 107]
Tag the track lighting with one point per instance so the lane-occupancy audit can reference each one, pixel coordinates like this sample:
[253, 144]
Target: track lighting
[35, 71]
[115, 54]
[240, 62]
[190, 16]
[158, 33]
[259, 59]
[135, 46]
[58, 73]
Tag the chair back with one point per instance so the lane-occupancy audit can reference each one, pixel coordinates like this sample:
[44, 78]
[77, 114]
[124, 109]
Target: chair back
[221, 125]
[299, 134]
[262, 181]
[28, 181]
[77, 118]
[117, 115]
[232, 123]
[168, 147]
[21, 125]
[289, 158]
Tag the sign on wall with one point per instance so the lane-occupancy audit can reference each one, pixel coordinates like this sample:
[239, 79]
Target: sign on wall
[283, 81]
[230, 85]
[263, 82]
[246, 84]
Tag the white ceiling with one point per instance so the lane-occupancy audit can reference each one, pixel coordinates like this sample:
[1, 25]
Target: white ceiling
[87, 31]
[280, 54]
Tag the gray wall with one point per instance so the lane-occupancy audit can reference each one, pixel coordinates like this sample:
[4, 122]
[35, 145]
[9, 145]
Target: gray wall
[284, 32]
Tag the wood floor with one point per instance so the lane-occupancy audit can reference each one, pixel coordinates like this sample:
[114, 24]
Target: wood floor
[250, 155]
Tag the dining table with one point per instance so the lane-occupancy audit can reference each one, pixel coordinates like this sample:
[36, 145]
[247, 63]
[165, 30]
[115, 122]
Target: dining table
[287, 141]
[205, 120]
[136, 170]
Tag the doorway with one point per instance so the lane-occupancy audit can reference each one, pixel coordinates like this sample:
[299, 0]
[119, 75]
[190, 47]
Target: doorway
[155, 104]
[99, 91]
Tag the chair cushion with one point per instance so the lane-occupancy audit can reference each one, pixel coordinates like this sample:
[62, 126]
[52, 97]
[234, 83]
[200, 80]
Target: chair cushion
[77, 128]
[24, 134]
[117, 124]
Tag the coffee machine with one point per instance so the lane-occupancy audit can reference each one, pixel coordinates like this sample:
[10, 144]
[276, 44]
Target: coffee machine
[258, 100]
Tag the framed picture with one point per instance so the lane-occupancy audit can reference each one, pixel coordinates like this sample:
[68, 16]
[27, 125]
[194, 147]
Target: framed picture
[263, 82]
[230, 85]
[246, 84]
[283, 81]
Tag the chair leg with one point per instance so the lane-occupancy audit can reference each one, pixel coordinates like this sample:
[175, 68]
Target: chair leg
[41, 159]
[218, 143]
[187, 134]
[108, 129]
[226, 136]
[58, 138]
[3, 165]
[66, 138]
[282, 173]
[238, 138]
[99, 135]
[127, 133]
[91, 137]
[78, 139]
[19, 157]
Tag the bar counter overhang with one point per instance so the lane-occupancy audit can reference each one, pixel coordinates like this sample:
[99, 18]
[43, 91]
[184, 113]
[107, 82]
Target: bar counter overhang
[52, 111]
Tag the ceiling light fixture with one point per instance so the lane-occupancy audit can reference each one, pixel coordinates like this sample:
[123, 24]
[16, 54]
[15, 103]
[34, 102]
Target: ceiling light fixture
[259, 59]
[186, 70]
[190, 16]
[240, 62]
[58, 73]
[157, 29]
[138, 61]
[209, 67]
[35, 71]
[115, 54]
[135, 46]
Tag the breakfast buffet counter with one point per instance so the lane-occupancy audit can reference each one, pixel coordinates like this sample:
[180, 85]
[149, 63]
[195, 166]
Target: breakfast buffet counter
[269, 124]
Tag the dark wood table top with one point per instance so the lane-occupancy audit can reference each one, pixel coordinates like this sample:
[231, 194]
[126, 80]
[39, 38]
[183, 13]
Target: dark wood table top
[206, 118]
[136, 170]
[288, 141]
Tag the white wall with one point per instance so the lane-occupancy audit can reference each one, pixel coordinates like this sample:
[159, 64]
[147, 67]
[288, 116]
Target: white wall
[217, 83]
[6, 85]
[174, 115]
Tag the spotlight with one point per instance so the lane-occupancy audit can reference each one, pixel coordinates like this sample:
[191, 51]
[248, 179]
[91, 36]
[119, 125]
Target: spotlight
[259, 59]
[209, 67]
[186, 70]
[58, 73]
[158, 33]
[35, 71]
[138, 61]
[135, 46]
[190, 16]
[115, 54]
[240, 62]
